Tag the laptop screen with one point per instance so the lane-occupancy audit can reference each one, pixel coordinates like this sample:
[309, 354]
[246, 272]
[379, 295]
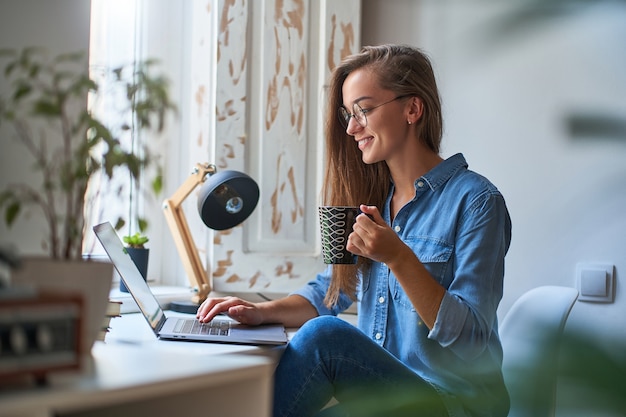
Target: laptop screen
[128, 271]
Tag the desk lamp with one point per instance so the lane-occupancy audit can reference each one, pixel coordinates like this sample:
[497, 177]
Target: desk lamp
[225, 200]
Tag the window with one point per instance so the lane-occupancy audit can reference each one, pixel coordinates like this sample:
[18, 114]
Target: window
[125, 31]
[114, 42]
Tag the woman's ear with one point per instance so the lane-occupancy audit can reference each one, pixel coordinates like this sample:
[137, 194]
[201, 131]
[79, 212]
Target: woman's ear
[415, 110]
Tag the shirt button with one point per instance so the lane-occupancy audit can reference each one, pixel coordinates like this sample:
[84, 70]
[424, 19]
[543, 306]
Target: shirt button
[378, 336]
[420, 184]
[381, 300]
[397, 229]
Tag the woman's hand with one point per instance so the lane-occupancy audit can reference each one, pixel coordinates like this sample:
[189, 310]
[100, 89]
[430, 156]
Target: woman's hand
[372, 237]
[243, 311]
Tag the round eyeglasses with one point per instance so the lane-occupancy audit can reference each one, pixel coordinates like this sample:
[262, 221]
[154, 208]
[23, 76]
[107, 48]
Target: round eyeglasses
[359, 112]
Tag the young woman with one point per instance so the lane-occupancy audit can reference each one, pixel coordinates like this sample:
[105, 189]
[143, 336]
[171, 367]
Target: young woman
[431, 246]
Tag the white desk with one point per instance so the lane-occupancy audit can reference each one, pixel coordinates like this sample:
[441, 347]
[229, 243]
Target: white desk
[135, 375]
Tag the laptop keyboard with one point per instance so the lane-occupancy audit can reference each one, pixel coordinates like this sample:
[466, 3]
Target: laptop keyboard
[192, 326]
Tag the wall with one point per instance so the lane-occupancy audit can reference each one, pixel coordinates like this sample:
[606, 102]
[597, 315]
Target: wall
[59, 26]
[512, 79]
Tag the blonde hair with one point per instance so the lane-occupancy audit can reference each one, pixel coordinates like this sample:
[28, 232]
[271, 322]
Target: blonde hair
[404, 70]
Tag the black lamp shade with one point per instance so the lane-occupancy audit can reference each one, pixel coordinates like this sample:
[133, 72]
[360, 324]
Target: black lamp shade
[226, 199]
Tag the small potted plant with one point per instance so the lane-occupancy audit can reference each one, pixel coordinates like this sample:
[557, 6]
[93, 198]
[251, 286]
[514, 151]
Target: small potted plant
[136, 241]
[135, 246]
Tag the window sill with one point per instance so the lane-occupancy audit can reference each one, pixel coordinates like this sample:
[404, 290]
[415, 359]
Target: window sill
[164, 294]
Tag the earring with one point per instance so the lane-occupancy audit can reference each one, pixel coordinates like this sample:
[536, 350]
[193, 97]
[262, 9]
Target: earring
[409, 122]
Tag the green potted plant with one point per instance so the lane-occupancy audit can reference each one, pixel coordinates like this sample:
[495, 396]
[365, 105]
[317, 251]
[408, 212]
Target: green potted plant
[135, 246]
[47, 107]
[44, 107]
[136, 241]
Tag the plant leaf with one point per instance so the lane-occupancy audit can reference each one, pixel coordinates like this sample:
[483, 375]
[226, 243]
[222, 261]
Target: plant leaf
[46, 108]
[143, 224]
[157, 183]
[12, 211]
[22, 90]
[120, 223]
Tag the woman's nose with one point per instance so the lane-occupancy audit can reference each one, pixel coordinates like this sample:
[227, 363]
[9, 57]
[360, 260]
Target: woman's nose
[353, 126]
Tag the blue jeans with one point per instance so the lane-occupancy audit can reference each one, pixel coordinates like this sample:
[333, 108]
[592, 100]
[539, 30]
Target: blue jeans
[330, 358]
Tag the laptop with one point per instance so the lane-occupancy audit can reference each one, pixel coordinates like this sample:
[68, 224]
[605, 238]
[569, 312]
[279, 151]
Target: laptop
[190, 329]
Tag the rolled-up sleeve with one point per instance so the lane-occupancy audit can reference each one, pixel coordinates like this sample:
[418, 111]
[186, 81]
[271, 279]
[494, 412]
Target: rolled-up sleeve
[315, 291]
[466, 316]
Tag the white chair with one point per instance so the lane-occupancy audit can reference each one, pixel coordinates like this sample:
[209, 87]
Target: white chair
[530, 334]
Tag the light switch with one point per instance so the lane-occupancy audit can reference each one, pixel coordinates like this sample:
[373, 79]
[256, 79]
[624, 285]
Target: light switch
[595, 282]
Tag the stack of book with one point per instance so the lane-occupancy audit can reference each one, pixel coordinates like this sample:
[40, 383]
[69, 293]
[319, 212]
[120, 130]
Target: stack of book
[113, 310]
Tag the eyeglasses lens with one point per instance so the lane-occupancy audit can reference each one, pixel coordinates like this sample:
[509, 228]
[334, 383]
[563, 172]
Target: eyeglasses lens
[359, 116]
[344, 117]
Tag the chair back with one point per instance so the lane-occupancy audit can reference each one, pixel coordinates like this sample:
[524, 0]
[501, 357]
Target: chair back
[530, 334]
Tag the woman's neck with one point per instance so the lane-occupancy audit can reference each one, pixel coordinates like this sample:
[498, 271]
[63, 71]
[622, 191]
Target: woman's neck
[404, 176]
[404, 173]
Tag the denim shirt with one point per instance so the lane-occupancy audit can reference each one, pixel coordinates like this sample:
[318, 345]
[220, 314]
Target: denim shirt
[459, 227]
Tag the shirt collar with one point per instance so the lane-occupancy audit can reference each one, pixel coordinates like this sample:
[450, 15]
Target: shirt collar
[441, 173]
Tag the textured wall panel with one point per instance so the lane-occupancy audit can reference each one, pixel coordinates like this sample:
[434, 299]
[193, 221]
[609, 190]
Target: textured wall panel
[274, 58]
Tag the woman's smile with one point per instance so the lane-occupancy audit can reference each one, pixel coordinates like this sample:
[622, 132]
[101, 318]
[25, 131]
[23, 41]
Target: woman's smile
[364, 142]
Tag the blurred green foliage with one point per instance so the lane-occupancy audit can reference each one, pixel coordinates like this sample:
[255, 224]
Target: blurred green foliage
[47, 107]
